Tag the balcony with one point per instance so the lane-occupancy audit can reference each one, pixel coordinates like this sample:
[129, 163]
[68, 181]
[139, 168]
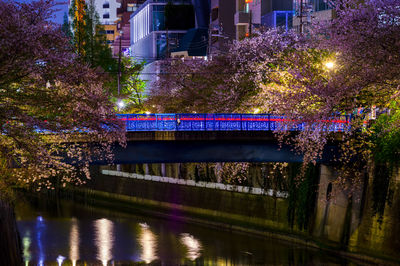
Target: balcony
[242, 18]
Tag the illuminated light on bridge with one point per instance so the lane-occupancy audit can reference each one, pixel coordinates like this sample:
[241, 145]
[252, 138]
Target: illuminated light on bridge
[224, 122]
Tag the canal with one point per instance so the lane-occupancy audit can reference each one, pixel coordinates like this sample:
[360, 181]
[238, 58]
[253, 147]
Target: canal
[59, 232]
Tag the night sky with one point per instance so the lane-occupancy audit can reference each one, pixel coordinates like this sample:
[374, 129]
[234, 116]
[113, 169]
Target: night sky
[63, 7]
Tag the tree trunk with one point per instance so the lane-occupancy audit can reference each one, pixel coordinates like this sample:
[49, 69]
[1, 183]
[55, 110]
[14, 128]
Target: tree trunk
[10, 243]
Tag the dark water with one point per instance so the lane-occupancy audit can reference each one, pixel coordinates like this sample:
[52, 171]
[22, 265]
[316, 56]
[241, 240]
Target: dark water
[65, 233]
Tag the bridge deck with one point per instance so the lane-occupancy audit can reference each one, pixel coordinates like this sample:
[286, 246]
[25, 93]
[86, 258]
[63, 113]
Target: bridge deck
[224, 122]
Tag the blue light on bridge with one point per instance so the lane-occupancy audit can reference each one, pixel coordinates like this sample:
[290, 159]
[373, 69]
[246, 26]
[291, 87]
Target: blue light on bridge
[222, 122]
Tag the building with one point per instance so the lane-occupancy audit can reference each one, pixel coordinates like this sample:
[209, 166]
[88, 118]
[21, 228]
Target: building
[251, 14]
[122, 42]
[277, 13]
[107, 11]
[153, 33]
[307, 11]
[158, 27]
[193, 45]
[222, 27]
[237, 19]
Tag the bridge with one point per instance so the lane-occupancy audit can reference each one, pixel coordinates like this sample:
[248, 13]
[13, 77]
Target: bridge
[170, 138]
[222, 122]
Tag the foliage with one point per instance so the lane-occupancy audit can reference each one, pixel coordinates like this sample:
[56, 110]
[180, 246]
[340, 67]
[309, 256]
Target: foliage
[385, 150]
[92, 48]
[89, 38]
[77, 13]
[385, 134]
[132, 88]
[233, 173]
[51, 103]
[302, 196]
[66, 27]
[200, 86]
[287, 73]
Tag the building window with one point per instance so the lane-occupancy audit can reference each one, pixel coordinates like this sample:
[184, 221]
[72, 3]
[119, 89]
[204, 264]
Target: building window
[158, 18]
[110, 41]
[109, 31]
[106, 5]
[106, 15]
[141, 24]
[131, 7]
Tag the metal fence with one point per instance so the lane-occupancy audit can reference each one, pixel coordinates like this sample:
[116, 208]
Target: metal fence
[225, 122]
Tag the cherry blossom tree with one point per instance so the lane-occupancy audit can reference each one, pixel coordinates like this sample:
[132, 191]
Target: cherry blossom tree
[51, 105]
[197, 85]
[347, 63]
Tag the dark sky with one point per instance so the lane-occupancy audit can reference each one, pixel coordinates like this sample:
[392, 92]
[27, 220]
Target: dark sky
[62, 6]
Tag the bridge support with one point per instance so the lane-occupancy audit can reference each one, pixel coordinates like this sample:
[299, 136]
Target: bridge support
[337, 212]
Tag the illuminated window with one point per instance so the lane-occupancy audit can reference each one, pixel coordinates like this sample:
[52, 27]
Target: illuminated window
[132, 7]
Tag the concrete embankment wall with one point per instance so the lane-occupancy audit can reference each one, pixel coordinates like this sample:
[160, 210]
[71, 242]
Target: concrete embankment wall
[229, 207]
[338, 222]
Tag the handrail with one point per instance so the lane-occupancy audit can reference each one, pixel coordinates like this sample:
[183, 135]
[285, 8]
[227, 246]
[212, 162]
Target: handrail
[224, 122]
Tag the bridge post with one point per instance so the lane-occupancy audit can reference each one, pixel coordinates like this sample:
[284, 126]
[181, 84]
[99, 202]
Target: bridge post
[269, 122]
[162, 169]
[214, 121]
[336, 212]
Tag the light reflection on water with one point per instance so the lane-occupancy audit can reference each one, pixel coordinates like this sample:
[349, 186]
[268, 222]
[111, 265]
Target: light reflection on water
[74, 241]
[26, 243]
[192, 244]
[148, 243]
[40, 227]
[103, 237]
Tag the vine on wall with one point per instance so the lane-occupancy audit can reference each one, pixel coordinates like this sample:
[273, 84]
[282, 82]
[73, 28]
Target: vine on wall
[302, 195]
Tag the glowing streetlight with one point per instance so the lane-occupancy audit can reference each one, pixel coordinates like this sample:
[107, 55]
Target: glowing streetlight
[147, 112]
[330, 65]
[121, 104]
[256, 110]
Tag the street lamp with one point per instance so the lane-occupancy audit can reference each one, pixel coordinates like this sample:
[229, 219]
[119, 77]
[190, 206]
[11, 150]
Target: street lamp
[119, 62]
[121, 104]
[330, 65]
